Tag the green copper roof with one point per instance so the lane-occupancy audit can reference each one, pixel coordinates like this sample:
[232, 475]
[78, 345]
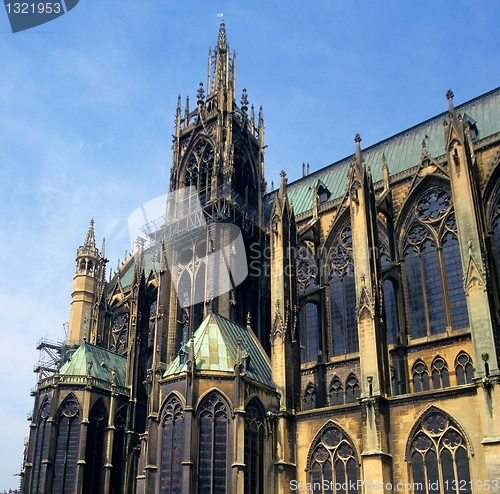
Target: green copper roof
[215, 347]
[103, 362]
[151, 258]
[402, 151]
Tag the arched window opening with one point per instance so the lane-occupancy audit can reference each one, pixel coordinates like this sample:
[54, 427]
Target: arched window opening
[333, 459]
[309, 333]
[118, 456]
[440, 375]
[439, 456]
[343, 295]
[94, 449]
[172, 436]
[352, 390]
[41, 448]
[212, 446]
[420, 377]
[254, 449]
[310, 397]
[435, 295]
[336, 392]
[495, 222]
[66, 450]
[390, 311]
[464, 369]
[199, 169]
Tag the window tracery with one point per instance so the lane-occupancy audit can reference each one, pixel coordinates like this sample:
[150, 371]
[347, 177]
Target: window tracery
[352, 389]
[309, 332]
[333, 459]
[439, 456]
[310, 396]
[307, 269]
[171, 446]
[440, 374]
[199, 168]
[212, 446]
[336, 392]
[41, 447]
[464, 369]
[435, 295]
[343, 294]
[119, 333]
[420, 377]
[94, 448]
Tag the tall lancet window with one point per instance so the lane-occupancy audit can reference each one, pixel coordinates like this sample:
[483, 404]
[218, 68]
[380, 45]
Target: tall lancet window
[254, 448]
[342, 294]
[309, 333]
[172, 437]
[435, 295]
[41, 448]
[94, 449]
[199, 169]
[439, 455]
[213, 427]
[494, 220]
[69, 417]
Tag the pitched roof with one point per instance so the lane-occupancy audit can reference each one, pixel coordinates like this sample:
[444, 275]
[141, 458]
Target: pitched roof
[402, 151]
[103, 362]
[215, 347]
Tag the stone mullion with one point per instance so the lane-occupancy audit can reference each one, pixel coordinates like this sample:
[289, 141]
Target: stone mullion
[444, 285]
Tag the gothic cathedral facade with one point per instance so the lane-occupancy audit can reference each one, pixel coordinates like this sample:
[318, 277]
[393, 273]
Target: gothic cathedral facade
[349, 359]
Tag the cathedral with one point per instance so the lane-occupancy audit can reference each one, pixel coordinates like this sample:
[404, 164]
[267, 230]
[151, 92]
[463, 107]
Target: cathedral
[337, 334]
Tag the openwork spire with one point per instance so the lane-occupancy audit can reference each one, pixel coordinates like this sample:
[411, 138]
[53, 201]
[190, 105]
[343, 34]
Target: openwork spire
[90, 238]
[222, 33]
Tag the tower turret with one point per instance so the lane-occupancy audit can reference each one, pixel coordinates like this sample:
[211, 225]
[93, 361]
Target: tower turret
[89, 276]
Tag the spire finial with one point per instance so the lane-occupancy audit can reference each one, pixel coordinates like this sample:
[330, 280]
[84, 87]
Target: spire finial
[222, 31]
[357, 140]
[201, 95]
[449, 96]
[90, 238]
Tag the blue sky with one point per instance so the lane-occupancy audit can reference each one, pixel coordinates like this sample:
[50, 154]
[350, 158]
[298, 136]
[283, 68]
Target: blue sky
[87, 107]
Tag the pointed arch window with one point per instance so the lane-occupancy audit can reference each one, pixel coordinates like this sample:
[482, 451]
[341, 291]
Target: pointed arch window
[440, 374]
[41, 448]
[332, 458]
[94, 448]
[172, 435]
[336, 392]
[435, 295]
[66, 449]
[309, 333]
[118, 456]
[212, 445]
[495, 221]
[389, 288]
[254, 448]
[199, 169]
[420, 377]
[352, 390]
[342, 294]
[310, 396]
[439, 456]
[464, 369]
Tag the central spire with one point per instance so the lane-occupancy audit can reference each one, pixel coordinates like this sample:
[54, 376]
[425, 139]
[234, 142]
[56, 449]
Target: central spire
[221, 66]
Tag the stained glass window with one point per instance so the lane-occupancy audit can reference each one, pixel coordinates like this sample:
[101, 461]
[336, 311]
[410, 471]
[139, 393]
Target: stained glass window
[309, 333]
[435, 295]
[212, 446]
[343, 295]
[333, 459]
[310, 395]
[41, 447]
[352, 390]
[420, 377]
[94, 448]
[171, 447]
[254, 449]
[440, 375]
[66, 449]
[439, 457]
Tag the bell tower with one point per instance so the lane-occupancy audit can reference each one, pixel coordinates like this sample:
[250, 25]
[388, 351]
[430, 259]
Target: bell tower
[218, 152]
[87, 283]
